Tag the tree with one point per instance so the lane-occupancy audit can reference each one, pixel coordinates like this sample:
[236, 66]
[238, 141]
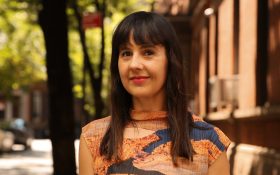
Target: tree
[95, 81]
[113, 11]
[53, 21]
[21, 47]
[21, 50]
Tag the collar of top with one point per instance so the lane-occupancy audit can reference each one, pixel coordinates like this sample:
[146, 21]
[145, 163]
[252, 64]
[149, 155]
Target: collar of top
[147, 115]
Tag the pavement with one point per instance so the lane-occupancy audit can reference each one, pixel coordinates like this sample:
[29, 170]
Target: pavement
[36, 161]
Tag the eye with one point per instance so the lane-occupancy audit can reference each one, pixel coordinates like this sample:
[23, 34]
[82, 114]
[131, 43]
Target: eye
[149, 52]
[125, 53]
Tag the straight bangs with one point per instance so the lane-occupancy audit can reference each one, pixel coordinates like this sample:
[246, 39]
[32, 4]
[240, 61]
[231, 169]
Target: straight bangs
[146, 33]
[143, 30]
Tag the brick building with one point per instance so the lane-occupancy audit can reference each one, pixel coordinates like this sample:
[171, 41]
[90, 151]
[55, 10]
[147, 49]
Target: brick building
[232, 51]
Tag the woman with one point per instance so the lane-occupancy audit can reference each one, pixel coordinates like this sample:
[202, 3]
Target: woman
[150, 130]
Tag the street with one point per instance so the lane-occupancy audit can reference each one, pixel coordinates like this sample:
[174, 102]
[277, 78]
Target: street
[36, 161]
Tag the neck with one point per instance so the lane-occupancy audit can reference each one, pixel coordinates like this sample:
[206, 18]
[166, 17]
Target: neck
[149, 104]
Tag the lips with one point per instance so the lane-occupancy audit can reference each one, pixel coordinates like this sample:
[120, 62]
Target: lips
[138, 79]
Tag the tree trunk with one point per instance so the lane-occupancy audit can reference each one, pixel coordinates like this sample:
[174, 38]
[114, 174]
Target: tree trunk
[53, 21]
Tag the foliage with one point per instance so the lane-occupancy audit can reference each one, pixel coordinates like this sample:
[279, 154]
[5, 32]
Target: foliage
[21, 46]
[115, 11]
[22, 49]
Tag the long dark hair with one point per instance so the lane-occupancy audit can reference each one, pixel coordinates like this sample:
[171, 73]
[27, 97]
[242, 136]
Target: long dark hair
[149, 28]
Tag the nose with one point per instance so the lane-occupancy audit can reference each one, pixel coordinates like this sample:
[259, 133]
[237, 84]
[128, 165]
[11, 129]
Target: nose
[136, 62]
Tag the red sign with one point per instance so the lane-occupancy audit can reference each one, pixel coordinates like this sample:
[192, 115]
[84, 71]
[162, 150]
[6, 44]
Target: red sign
[91, 20]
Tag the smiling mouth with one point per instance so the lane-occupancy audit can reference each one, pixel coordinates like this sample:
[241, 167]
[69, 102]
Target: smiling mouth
[138, 79]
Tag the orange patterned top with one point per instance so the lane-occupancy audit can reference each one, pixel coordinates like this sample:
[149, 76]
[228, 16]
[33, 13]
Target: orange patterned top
[146, 146]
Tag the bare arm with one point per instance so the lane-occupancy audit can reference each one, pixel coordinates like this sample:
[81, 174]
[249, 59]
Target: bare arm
[220, 166]
[85, 159]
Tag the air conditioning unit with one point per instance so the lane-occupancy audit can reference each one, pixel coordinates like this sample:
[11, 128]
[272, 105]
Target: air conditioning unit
[223, 93]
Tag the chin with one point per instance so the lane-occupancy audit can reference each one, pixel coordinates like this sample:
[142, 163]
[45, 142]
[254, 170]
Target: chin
[141, 95]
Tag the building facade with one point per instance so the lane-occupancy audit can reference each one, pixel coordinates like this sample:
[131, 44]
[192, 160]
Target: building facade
[232, 52]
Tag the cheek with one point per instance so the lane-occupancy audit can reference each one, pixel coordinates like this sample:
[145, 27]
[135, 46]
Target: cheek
[122, 70]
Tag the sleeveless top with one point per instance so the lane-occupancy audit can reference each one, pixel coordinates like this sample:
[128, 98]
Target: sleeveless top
[146, 146]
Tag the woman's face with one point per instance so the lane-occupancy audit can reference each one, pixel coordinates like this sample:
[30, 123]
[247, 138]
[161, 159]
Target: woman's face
[143, 69]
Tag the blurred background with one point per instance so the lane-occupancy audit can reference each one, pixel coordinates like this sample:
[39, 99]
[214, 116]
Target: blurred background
[54, 76]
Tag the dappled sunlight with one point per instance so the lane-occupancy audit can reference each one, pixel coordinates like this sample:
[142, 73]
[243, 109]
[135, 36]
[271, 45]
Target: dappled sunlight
[41, 145]
[36, 161]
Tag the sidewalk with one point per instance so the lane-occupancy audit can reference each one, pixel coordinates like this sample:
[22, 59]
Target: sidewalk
[37, 161]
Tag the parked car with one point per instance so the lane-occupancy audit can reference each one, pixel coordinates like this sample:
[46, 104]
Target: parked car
[6, 140]
[21, 130]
